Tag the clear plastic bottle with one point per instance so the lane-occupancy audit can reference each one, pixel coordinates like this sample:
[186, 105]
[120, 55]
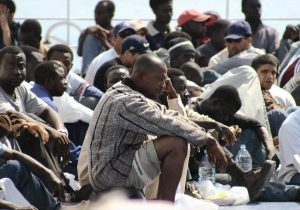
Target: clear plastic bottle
[243, 159]
[206, 170]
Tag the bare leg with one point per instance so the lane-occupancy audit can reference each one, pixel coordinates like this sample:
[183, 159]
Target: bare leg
[171, 151]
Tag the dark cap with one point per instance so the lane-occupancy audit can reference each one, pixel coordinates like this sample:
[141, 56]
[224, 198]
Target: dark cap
[121, 27]
[238, 29]
[136, 44]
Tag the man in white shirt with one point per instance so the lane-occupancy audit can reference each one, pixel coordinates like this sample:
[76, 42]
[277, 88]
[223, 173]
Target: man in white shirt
[239, 50]
[289, 145]
[120, 32]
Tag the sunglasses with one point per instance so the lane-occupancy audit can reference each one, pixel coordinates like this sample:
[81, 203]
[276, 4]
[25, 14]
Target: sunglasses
[234, 40]
[126, 33]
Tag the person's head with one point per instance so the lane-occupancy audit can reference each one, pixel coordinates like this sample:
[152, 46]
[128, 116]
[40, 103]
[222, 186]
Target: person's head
[193, 23]
[179, 83]
[114, 74]
[132, 47]
[10, 5]
[173, 35]
[252, 10]
[104, 12]
[120, 32]
[52, 76]
[238, 37]
[139, 27]
[163, 10]
[181, 51]
[223, 103]
[192, 72]
[30, 33]
[266, 67]
[62, 53]
[12, 67]
[149, 75]
[216, 33]
[33, 58]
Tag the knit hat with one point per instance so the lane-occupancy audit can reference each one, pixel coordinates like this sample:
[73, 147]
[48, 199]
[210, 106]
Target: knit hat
[179, 46]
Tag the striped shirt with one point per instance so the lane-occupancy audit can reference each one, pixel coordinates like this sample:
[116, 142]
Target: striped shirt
[122, 121]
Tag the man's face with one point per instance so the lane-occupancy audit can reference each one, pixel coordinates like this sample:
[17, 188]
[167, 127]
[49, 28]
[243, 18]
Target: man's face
[252, 10]
[164, 13]
[235, 46]
[129, 58]
[221, 112]
[13, 69]
[267, 75]
[154, 82]
[104, 13]
[180, 85]
[115, 76]
[58, 84]
[118, 39]
[182, 59]
[64, 57]
[195, 29]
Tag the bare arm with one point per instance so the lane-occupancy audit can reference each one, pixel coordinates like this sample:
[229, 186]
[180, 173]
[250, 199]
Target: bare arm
[52, 182]
[11, 206]
[52, 118]
[267, 141]
[4, 12]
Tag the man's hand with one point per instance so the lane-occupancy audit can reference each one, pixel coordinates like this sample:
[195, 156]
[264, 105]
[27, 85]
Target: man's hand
[37, 131]
[226, 134]
[101, 34]
[216, 154]
[54, 185]
[170, 91]
[61, 143]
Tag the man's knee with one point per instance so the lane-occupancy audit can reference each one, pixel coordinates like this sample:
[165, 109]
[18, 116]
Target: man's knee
[170, 145]
[12, 169]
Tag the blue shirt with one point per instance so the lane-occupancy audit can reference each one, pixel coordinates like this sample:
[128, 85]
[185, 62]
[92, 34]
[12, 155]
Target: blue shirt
[44, 94]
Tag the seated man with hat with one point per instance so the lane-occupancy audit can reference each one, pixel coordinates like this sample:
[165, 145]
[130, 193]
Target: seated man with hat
[239, 50]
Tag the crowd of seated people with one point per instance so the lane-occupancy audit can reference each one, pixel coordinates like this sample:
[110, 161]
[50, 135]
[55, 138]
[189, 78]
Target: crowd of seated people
[148, 101]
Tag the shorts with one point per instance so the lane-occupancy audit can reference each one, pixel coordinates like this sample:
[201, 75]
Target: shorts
[145, 167]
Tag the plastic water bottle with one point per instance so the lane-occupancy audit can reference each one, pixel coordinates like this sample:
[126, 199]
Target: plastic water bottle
[206, 170]
[243, 159]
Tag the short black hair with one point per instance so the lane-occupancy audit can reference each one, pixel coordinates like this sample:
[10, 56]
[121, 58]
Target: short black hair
[45, 71]
[227, 95]
[60, 48]
[265, 59]
[108, 2]
[10, 50]
[31, 26]
[9, 4]
[173, 35]
[113, 68]
[28, 50]
[154, 4]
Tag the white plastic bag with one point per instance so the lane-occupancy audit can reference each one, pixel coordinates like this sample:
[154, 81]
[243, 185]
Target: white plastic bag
[223, 195]
[183, 201]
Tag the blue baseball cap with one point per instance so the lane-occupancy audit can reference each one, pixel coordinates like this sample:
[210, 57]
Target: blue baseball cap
[238, 29]
[136, 44]
[122, 26]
